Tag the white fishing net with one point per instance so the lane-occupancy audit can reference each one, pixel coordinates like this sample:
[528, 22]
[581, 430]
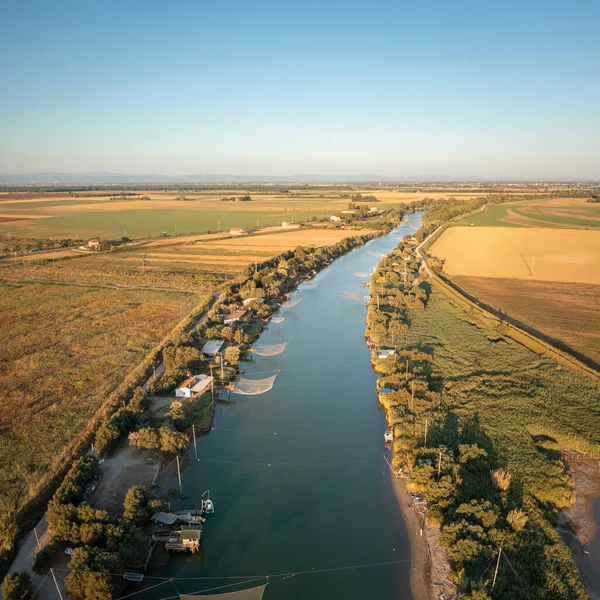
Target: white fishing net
[360, 274]
[278, 319]
[255, 593]
[291, 303]
[377, 254]
[352, 296]
[269, 349]
[253, 387]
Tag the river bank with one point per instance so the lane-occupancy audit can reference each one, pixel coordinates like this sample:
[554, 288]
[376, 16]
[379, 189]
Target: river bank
[296, 474]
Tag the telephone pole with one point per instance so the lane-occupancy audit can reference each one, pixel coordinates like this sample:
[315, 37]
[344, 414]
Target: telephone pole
[497, 566]
[195, 448]
[56, 584]
[439, 465]
[179, 475]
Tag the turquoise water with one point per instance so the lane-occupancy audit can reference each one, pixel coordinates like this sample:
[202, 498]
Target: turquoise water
[297, 474]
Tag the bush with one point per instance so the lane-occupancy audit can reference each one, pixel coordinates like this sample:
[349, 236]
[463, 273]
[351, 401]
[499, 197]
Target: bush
[136, 504]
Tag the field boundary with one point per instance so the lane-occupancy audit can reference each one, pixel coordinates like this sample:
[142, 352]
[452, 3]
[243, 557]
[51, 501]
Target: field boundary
[520, 332]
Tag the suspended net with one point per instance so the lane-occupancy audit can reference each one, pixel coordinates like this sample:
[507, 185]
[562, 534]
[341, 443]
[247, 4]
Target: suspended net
[253, 387]
[291, 303]
[377, 254]
[309, 282]
[278, 319]
[351, 296]
[255, 593]
[360, 274]
[269, 349]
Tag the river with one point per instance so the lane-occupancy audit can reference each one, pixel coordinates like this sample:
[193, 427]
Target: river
[297, 474]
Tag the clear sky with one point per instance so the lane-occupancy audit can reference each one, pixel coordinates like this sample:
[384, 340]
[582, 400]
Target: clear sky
[471, 89]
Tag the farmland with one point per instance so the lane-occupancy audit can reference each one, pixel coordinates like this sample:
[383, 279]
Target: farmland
[563, 311]
[149, 213]
[523, 253]
[568, 213]
[64, 348]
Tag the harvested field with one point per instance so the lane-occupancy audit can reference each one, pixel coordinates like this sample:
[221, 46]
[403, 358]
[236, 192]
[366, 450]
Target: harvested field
[63, 350]
[519, 253]
[564, 311]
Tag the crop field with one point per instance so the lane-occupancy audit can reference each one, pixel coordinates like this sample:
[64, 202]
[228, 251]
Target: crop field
[191, 263]
[149, 213]
[560, 255]
[514, 393]
[568, 213]
[563, 311]
[63, 349]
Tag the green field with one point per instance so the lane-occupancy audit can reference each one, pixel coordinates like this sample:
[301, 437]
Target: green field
[490, 216]
[515, 393]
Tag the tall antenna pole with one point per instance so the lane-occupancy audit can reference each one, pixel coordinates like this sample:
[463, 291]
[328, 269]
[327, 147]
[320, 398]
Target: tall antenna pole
[195, 448]
[179, 476]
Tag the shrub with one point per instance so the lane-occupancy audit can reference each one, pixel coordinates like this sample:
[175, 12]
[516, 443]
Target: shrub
[16, 586]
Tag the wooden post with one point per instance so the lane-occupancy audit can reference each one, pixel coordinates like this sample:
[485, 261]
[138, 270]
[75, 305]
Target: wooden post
[497, 566]
[56, 584]
[179, 475]
[195, 448]
[439, 465]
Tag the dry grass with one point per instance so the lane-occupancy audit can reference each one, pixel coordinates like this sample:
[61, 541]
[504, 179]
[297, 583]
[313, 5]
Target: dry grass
[63, 349]
[563, 311]
[514, 253]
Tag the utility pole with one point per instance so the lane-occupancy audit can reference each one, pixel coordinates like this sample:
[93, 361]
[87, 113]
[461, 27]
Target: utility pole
[426, 426]
[179, 475]
[439, 465]
[56, 584]
[212, 384]
[37, 539]
[497, 566]
[195, 448]
[407, 361]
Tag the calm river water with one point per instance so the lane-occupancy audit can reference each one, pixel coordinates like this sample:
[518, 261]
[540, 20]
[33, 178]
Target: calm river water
[297, 474]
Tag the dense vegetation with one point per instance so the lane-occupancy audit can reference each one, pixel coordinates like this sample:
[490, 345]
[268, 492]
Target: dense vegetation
[478, 421]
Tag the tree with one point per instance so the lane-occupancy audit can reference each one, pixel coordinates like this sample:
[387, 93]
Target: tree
[177, 415]
[172, 441]
[105, 245]
[517, 520]
[16, 586]
[145, 438]
[136, 504]
[232, 355]
[85, 580]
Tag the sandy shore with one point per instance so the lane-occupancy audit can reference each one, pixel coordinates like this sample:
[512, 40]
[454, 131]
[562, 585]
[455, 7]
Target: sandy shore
[429, 561]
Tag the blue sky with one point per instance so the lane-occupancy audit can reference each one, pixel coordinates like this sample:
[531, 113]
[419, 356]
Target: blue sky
[465, 89]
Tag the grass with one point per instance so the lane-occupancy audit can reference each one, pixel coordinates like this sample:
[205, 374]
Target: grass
[562, 311]
[515, 393]
[63, 350]
[490, 216]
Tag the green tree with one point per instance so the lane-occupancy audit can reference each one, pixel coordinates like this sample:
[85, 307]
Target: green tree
[147, 438]
[16, 586]
[136, 504]
[232, 355]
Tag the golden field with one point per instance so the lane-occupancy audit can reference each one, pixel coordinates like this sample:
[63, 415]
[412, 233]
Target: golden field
[559, 255]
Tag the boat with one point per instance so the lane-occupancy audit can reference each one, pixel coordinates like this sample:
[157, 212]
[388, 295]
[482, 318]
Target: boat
[209, 507]
[133, 577]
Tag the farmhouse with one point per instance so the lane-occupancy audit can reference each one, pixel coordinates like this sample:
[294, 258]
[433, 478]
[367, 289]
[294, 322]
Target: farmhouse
[236, 316]
[94, 244]
[335, 218]
[197, 384]
[236, 231]
[382, 354]
[287, 225]
[212, 347]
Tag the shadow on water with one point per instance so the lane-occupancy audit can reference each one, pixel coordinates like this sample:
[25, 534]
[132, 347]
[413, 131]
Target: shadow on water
[297, 474]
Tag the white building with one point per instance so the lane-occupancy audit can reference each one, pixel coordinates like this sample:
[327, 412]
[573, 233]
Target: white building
[236, 231]
[287, 225]
[192, 386]
[335, 218]
[386, 353]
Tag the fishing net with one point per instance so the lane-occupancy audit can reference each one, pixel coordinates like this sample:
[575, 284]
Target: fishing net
[351, 296]
[291, 303]
[377, 254]
[253, 387]
[309, 282]
[269, 349]
[255, 593]
[360, 274]
[278, 319]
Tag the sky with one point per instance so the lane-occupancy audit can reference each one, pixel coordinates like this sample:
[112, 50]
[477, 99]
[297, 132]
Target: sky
[463, 89]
